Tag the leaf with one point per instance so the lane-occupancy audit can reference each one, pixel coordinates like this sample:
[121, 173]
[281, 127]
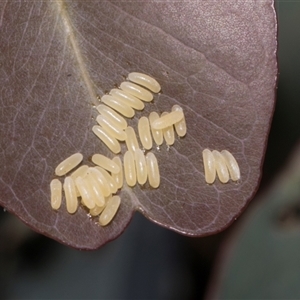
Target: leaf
[217, 60]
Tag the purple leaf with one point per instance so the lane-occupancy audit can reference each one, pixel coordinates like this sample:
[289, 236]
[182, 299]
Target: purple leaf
[216, 59]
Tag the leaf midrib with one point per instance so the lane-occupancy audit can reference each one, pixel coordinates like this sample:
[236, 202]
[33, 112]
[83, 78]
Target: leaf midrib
[70, 34]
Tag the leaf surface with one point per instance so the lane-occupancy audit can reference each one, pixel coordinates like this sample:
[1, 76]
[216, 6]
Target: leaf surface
[217, 60]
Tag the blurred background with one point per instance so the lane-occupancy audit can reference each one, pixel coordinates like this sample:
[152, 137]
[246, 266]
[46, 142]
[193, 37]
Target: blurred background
[257, 257]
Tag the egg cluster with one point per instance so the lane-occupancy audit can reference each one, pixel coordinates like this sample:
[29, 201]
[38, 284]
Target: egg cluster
[96, 186]
[221, 163]
[121, 103]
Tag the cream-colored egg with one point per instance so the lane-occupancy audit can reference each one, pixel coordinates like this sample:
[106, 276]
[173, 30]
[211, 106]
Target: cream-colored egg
[70, 194]
[156, 134]
[110, 210]
[68, 164]
[136, 91]
[105, 163]
[144, 133]
[153, 170]
[56, 193]
[107, 139]
[232, 165]
[145, 80]
[129, 168]
[180, 126]
[221, 167]
[119, 106]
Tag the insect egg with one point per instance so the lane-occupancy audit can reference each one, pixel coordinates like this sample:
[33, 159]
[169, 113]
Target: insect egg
[144, 133]
[141, 166]
[111, 128]
[68, 164]
[96, 189]
[119, 176]
[131, 140]
[180, 126]
[136, 91]
[81, 171]
[110, 210]
[112, 115]
[85, 192]
[221, 167]
[168, 119]
[87, 195]
[168, 132]
[156, 134]
[105, 163]
[209, 166]
[232, 165]
[117, 105]
[107, 139]
[129, 168]
[105, 187]
[56, 193]
[111, 182]
[70, 193]
[153, 170]
[128, 99]
[145, 80]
